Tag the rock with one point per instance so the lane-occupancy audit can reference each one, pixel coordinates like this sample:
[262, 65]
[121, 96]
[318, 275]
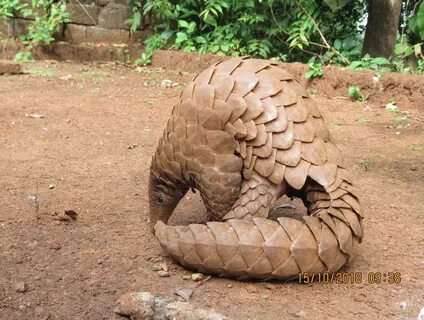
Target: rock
[113, 16]
[168, 84]
[21, 287]
[197, 277]
[136, 305]
[55, 245]
[163, 274]
[144, 306]
[186, 311]
[183, 294]
[82, 14]
[78, 34]
[9, 67]
[421, 314]
[156, 267]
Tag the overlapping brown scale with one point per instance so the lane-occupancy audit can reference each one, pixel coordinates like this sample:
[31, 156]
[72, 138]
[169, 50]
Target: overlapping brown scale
[344, 236]
[304, 131]
[251, 130]
[238, 106]
[277, 175]
[189, 111]
[314, 152]
[296, 176]
[220, 142]
[261, 137]
[304, 249]
[265, 166]
[247, 171]
[267, 86]
[285, 139]
[187, 93]
[205, 76]
[203, 155]
[333, 154]
[180, 128]
[266, 149]
[353, 220]
[270, 112]
[240, 128]
[297, 112]
[280, 123]
[254, 107]
[286, 97]
[255, 65]
[228, 66]
[196, 134]
[204, 96]
[224, 85]
[299, 89]
[325, 174]
[245, 81]
[228, 163]
[280, 74]
[291, 156]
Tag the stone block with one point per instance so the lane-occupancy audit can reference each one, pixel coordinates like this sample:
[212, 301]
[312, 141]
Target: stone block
[75, 33]
[15, 27]
[85, 14]
[99, 35]
[78, 34]
[113, 16]
[9, 67]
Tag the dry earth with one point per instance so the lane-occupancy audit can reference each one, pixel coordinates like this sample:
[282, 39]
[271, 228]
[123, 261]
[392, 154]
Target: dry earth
[80, 137]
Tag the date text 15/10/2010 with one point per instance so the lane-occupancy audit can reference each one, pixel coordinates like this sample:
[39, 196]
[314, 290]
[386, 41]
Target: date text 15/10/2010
[351, 278]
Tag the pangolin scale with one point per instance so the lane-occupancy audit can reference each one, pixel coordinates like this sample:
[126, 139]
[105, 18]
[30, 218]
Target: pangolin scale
[244, 133]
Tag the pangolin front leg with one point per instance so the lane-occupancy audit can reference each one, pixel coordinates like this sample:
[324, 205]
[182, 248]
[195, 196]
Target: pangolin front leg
[244, 133]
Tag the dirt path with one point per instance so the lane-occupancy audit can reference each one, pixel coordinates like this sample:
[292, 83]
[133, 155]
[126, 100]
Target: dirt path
[90, 152]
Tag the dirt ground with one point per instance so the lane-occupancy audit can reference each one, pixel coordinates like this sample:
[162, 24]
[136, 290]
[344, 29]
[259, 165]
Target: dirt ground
[80, 137]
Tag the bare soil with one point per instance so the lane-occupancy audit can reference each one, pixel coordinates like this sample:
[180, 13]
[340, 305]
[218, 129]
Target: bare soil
[80, 137]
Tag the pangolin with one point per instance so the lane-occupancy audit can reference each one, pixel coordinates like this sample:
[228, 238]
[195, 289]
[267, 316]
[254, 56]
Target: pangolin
[244, 132]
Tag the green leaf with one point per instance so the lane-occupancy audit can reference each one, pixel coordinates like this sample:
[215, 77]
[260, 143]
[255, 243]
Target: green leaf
[182, 23]
[420, 20]
[380, 60]
[337, 44]
[355, 65]
[336, 4]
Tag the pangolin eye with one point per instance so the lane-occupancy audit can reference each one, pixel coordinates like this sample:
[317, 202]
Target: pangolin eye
[160, 199]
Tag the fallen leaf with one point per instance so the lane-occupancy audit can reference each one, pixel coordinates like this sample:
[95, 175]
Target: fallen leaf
[164, 266]
[34, 115]
[183, 294]
[72, 214]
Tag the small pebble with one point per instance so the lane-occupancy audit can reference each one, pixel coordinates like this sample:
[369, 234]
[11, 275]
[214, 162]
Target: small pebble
[163, 274]
[55, 245]
[21, 287]
[156, 267]
[196, 276]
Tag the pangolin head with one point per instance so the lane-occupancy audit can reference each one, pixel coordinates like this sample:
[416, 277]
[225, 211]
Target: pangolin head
[164, 195]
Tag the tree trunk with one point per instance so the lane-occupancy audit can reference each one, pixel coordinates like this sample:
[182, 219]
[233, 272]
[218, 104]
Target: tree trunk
[382, 26]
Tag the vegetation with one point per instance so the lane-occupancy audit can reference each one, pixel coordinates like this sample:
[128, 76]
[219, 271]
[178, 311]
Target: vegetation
[316, 32]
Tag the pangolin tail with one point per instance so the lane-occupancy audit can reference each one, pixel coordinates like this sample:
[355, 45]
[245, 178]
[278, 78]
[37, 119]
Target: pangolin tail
[265, 249]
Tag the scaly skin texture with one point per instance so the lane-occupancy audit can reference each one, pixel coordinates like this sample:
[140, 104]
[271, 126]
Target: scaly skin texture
[244, 133]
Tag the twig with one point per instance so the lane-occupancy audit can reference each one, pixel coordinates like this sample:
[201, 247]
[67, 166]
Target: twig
[326, 45]
[288, 34]
[85, 10]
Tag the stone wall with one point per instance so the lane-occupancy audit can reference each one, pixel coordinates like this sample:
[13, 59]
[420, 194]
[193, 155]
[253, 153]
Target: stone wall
[91, 21]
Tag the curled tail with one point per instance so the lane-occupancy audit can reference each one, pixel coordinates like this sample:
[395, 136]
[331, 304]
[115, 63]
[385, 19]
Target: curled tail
[264, 249]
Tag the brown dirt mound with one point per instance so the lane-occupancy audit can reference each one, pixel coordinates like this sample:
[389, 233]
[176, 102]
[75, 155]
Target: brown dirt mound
[406, 90]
